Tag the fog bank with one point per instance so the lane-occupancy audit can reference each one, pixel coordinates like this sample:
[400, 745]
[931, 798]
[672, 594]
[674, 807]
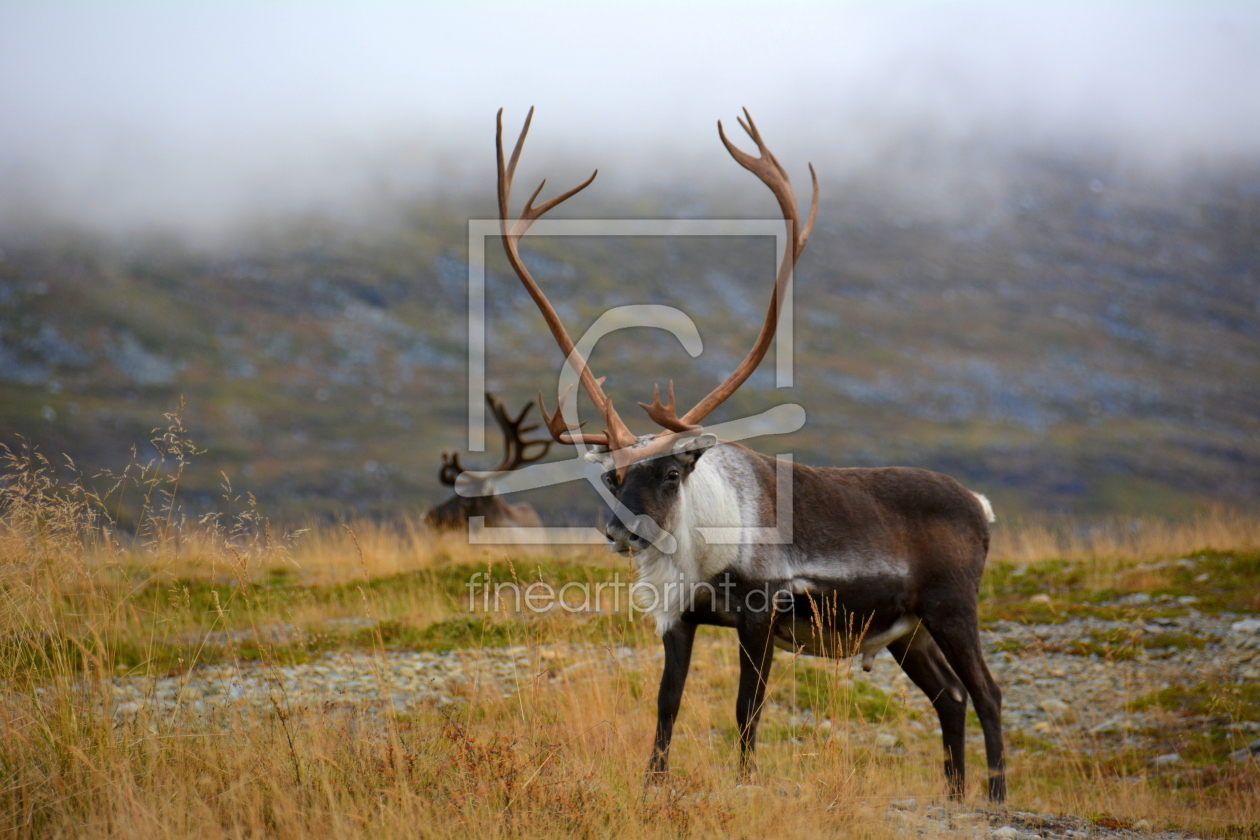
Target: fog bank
[188, 117]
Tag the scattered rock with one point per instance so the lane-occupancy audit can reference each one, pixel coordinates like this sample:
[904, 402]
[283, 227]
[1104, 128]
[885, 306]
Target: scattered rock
[128, 709]
[1110, 727]
[1252, 749]
[1187, 600]
[885, 740]
[1141, 825]
[1137, 599]
[1004, 833]
[1247, 625]
[1166, 760]
[1057, 711]
[1041, 598]
[905, 804]
[966, 820]
[932, 828]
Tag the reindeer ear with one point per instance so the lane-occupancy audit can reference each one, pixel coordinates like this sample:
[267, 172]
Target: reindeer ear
[689, 449]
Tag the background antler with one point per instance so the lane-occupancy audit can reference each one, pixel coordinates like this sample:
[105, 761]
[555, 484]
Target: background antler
[616, 435]
[774, 176]
[515, 447]
[516, 450]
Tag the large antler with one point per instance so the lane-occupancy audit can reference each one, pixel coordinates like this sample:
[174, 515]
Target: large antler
[773, 175]
[515, 446]
[616, 435]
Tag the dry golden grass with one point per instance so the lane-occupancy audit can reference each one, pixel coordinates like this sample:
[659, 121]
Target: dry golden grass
[562, 754]
[1122, 539]
[362, 549]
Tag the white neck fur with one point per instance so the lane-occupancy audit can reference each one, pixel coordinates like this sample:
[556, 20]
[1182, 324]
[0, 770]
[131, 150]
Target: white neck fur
[706, 499]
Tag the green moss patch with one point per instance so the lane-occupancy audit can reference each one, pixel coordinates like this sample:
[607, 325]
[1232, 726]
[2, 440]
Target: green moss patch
[1236, 701]
[828, 695]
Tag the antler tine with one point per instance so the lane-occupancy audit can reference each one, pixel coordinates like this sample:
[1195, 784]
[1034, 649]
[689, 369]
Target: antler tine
[520, 418]
[531, 214]
[526, 444]
[666, 415]
[616, 435]
[767, 168]
[560, 430]
[750, 128]
[510, 443]
[771, 172]
[542, 453]
[506, 175]
[802, 235]
[514, 441]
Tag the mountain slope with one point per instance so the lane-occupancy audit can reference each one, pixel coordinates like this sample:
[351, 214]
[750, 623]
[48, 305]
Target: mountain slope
[1071, 337]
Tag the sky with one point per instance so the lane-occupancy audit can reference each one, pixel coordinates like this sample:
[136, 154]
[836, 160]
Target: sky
[189, 115]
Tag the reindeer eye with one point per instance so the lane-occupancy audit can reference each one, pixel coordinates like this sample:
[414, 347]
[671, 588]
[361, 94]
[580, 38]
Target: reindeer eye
[672, 475]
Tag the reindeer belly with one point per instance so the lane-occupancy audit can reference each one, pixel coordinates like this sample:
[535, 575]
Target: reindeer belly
[808, 635]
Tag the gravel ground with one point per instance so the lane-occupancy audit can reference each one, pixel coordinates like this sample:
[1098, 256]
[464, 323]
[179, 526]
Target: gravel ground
[1066, 699]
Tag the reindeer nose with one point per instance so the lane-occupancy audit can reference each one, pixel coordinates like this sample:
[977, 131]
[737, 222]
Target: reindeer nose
[637, 536]
[620, 539]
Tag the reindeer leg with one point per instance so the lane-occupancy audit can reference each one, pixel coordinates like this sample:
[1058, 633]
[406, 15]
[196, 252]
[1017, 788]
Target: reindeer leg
[958, 636]
[756, 652]
[678, 640]
[924, 663]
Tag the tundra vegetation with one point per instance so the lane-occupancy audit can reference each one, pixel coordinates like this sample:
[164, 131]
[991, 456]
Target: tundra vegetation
[91, 611]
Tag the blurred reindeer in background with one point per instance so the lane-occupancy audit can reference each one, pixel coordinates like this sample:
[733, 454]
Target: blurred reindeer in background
[455, 511]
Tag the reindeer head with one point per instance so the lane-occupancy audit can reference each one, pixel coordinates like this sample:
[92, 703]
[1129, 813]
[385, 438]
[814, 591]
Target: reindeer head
[647, 491]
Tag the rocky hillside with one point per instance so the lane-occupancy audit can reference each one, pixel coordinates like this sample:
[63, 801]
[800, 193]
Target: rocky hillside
[1072, 337]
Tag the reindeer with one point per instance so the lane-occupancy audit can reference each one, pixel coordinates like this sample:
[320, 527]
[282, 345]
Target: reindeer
[878, 558]
[455, 511]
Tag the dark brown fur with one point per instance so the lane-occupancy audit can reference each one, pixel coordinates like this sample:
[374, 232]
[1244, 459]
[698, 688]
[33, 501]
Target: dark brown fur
[453, 514]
